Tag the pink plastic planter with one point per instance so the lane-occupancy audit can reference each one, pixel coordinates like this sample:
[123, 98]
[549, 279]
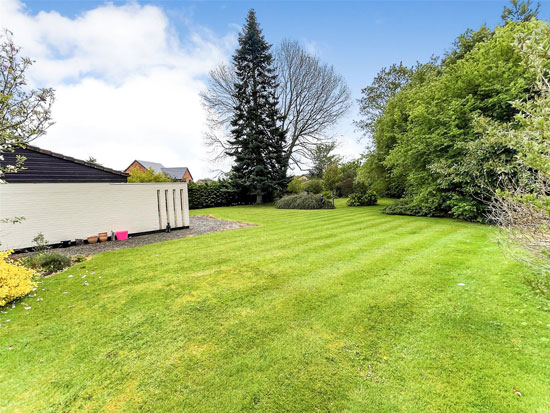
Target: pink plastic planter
[121, 235]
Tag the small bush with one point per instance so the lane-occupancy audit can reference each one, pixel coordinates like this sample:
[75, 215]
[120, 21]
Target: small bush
[327, 195]
[296, 186]
[41, 242]
[47, 263]
[313, 186]
[15, 280]
[366, 198]
[304, 202]
[75, 259]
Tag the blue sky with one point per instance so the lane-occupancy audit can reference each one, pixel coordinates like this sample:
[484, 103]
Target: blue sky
[357, 37]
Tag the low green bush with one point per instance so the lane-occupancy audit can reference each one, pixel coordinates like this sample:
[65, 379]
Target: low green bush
[78, 258]
[406, 206]
[304, 201]
[47, 262]
[366, 198]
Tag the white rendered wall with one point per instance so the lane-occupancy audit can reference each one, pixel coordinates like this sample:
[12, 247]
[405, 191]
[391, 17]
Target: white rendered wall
[67, 211]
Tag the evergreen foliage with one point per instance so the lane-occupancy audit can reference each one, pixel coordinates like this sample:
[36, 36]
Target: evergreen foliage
[257, 141]
[214, 194]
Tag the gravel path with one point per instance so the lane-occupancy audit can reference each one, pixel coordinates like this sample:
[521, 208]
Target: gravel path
[199, 224]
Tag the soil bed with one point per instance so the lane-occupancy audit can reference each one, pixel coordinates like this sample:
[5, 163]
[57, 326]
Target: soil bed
[199, 224]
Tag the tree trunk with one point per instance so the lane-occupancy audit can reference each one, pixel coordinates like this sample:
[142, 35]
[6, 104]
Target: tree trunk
[259, 199]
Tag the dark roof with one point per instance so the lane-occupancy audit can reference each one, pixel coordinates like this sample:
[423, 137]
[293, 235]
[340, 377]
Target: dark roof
[42, 165]
[157, 167]
[177, 172]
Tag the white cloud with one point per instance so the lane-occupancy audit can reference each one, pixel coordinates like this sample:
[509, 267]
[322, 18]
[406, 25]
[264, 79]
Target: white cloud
[126, 85]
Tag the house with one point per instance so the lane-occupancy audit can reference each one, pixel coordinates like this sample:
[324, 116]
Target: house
[68, 199]
[43, 166]
[176, 173]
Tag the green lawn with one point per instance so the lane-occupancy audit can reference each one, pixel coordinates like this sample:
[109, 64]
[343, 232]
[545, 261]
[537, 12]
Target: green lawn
[329, 310]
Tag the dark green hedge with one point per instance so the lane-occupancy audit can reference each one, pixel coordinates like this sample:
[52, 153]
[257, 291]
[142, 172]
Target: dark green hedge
[304, 201]
[215, 194]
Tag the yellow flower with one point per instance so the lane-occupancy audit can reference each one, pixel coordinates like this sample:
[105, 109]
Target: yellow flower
[15, 280]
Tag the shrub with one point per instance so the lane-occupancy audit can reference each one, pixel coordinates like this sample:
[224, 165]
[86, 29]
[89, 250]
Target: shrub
[75, 259]
[296, 186]
[15, 280]
[47, 263]
[406, 206]
[313, 186]
[366, 198]
[41, 242]
[304, 201]
[327, 195]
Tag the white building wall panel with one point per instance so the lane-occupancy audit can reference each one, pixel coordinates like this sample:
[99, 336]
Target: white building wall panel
[67, 211]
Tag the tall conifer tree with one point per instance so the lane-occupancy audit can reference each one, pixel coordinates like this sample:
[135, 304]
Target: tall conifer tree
[257, 142]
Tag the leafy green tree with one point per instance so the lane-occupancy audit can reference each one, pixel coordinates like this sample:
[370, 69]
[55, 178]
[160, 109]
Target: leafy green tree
[257, 141]
[313, 186]
[148, 176]
[24, 114]
[296, 186]
[427, 141]
[322, 156]
[331, 179]
[521, 11]
[465, 43]
[374, 97]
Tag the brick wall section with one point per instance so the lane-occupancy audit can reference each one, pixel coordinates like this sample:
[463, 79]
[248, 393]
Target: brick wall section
[187, 177]
[135, 165]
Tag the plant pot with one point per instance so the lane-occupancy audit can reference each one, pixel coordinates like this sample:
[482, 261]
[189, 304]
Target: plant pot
[121, 235]
[92, 239]
[103, 236]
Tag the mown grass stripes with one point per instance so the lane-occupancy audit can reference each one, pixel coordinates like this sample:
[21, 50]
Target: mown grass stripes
[331, 310]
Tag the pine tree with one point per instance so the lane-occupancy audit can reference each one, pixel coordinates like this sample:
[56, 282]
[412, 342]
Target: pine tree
[257, 141]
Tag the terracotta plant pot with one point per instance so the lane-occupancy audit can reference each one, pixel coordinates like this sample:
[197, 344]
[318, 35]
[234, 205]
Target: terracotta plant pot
[103, 236]
[92, 239]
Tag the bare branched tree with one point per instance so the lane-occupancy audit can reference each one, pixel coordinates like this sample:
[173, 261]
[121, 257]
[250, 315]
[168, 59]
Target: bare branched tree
[521, 208]
[522, 213]
[312, 98]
